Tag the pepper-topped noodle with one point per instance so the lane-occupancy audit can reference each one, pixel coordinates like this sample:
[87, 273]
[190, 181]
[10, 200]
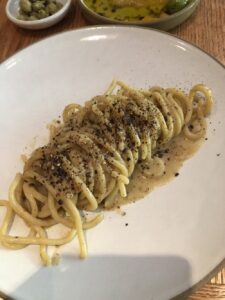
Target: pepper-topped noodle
[90, 159]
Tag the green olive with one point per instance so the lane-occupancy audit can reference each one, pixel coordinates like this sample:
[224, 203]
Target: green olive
[175, 5]
[25, 6]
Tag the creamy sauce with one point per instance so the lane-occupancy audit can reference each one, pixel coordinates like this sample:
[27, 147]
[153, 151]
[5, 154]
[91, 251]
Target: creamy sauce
[179, 150]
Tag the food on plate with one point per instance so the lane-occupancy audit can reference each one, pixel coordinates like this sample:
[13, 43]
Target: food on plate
[93, 157]
[32, 10]
[136, 10]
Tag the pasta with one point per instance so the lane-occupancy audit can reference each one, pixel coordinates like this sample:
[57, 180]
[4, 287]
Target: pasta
[90, 160]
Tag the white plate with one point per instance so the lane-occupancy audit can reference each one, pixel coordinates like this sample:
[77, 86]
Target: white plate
[176, 235]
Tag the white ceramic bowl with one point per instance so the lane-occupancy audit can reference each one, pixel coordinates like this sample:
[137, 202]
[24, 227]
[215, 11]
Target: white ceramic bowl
[12, 11]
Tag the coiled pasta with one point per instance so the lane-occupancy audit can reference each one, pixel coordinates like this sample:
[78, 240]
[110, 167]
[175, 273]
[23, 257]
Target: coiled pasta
[90, 159]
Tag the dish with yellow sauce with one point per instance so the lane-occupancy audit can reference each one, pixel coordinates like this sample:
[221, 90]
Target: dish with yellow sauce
[135, 10]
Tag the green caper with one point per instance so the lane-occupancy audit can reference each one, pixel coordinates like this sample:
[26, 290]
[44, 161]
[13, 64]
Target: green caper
[47, 10]
[23, 17]
[38, 5]
[34, 14]
[33, 18]
[52, 8]
[42, 14]
[59, 5]
[174, 6]
[25, 6]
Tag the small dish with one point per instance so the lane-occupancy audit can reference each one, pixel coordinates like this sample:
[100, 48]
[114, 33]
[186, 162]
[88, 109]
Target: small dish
[12, 11]
[164, 23]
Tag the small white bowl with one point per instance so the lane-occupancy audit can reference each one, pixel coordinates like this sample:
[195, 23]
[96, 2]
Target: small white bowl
[12, 11]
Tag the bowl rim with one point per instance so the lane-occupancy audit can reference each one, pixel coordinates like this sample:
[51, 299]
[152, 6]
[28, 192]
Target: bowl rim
[155, 22]
[35, 22]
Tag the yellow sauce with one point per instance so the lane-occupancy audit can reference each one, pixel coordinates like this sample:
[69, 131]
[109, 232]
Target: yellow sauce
[150, 12]
[179, 150]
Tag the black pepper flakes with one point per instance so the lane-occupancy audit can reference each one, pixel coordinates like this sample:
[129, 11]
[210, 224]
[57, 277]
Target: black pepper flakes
[60, 202]
[191, 127]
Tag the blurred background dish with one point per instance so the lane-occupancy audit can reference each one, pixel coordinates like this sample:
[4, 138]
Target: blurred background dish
[159, 14]
[14, 15]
